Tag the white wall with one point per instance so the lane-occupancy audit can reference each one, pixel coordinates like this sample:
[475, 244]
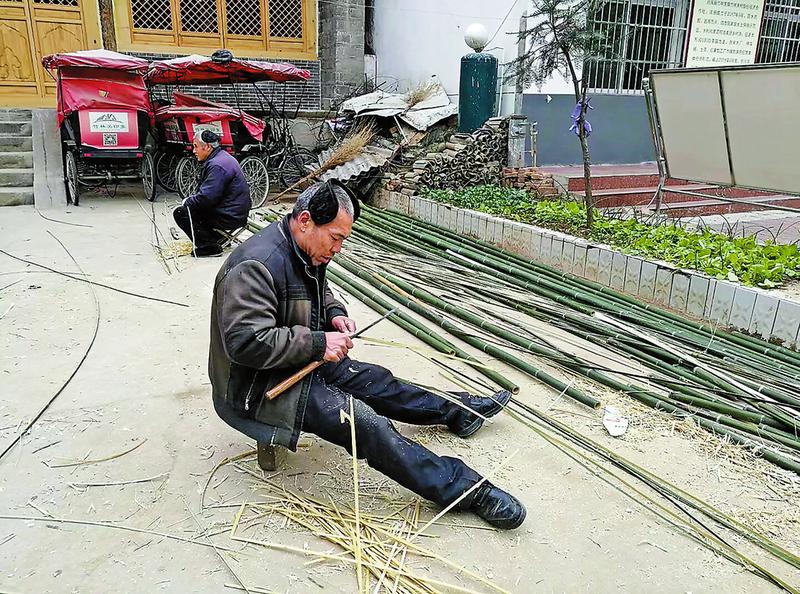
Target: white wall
[419, 39]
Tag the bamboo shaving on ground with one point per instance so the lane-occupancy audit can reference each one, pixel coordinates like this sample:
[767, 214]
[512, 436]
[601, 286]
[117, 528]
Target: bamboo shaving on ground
[383, 540]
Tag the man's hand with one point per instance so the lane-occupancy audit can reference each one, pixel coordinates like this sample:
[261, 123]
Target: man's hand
[344, 324]
[336, 345]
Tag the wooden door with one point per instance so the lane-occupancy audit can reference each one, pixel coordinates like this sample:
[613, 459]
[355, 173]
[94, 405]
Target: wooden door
[30, 29]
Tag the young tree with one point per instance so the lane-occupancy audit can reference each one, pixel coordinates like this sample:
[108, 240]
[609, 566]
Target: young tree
[561, 39]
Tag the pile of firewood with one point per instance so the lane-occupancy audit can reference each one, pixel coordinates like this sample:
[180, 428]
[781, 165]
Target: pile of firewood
[467, 160]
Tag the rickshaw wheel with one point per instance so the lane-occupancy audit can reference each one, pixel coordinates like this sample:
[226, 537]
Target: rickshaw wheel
[71, 179]
[166, 167]
[148, 175]
[187, 176]
[298, 164]
[257, 176]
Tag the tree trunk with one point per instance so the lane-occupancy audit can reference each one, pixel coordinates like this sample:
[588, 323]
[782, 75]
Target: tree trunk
[587, 161]
[587, 175]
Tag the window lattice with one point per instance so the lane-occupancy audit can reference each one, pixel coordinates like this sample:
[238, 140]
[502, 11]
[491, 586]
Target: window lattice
[244, 17]
[152, 14]
[199, 16]
[286, 18]
[58, 2]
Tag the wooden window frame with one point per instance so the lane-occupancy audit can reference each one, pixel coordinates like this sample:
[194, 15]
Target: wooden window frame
[176, 42]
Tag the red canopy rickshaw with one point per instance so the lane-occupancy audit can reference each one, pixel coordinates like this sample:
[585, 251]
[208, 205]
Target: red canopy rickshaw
[243, 135]
[105, 117]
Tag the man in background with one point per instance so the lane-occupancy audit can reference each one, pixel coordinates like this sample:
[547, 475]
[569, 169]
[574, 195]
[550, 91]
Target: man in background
[222, 201]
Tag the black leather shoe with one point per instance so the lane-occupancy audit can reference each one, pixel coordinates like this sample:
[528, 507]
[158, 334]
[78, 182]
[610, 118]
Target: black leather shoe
[208, 251]
[498, 508]
[466, 423]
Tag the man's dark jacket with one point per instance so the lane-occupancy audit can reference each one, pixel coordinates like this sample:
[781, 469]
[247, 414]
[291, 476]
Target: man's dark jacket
[269, 315]
[223, 194]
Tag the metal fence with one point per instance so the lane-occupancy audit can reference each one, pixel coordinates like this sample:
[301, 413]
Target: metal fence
[641, 35]
[780, 32]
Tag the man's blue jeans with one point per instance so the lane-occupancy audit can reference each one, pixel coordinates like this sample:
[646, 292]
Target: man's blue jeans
[379, 398]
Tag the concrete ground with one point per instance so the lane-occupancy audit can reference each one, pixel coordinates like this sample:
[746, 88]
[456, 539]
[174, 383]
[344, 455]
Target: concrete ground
[775, 225]
[144, 382]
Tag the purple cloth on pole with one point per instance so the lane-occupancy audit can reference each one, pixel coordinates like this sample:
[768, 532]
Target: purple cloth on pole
[576, 113]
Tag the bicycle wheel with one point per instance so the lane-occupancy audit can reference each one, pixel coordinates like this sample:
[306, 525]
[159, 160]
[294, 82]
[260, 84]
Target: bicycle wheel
[187, 176]
[147, 171]
[166, 167]
[257, 176]
[71, 179]
[299, 162]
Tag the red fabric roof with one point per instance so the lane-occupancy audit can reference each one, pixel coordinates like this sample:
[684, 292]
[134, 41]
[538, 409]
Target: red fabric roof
[202, 70]
[87, 88]
[98, 58]
[184, 104]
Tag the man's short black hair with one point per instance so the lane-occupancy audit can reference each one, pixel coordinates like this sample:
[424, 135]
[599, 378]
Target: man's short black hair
[324, 199]
[209, 136]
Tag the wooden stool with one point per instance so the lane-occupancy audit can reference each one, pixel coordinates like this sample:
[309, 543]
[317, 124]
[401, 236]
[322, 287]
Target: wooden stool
[271, 457]
[230, 236]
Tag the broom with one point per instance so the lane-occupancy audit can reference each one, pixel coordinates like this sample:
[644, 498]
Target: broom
[420, 93]
[350, 148]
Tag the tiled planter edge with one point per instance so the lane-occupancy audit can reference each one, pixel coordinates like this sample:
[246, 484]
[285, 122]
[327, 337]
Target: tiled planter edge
[718, 302]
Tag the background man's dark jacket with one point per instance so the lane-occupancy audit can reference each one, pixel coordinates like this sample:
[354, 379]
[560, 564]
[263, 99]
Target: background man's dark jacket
[269, 314]
[223, 194]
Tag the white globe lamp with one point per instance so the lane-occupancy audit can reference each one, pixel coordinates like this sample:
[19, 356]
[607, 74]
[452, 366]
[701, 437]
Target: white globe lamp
[476, 36]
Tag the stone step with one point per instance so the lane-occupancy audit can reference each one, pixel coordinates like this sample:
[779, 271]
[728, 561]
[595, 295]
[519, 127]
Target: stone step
[11, 128]
[620, 197]
[15, 178]
[15, 115]
[16, 196]
[13, 144]
[702, 208]
[16, 159]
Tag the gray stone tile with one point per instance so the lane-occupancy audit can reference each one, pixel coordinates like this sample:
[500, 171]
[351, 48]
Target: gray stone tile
[633, 272]
[536, 245]
[440, 212]
[698, 294]
[579, 261]
[604, 267]
[483, 227]
[679, 294]
[744, 300]
[525, 234]
[592, 263]
[647, 281]
[556, 252]
[619, 264]
[545, 249]
[722, 303]
[461, 216]
[567, 256]
[764, 312]
[517, 238]
[663, 287]
[712, 288]
[403, 203]
[451, 219]
[787, 322]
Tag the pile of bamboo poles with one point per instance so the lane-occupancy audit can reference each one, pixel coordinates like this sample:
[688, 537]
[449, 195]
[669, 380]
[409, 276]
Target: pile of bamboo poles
[731, 384]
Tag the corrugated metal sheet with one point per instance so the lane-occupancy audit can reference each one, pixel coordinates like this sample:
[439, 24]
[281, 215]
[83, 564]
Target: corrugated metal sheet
[421, 116]
[372, 157]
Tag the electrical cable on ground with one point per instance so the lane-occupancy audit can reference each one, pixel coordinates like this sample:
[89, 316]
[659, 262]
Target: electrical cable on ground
[86, 280]
[33, 421]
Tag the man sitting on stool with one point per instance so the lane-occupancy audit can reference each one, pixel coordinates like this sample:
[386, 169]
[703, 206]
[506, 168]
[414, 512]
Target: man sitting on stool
[222, 200]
